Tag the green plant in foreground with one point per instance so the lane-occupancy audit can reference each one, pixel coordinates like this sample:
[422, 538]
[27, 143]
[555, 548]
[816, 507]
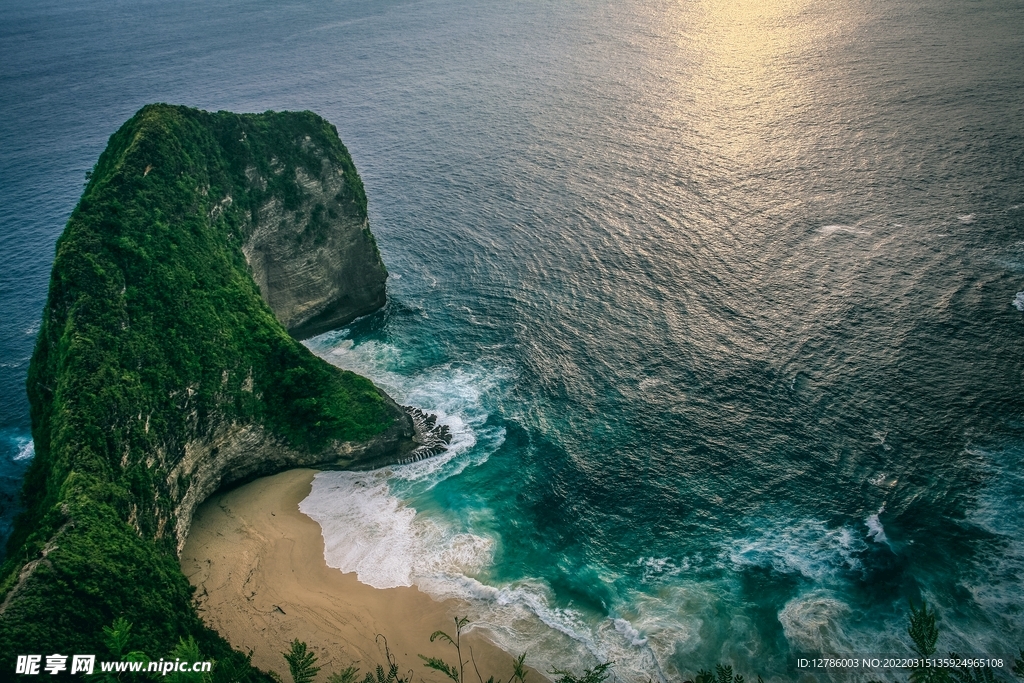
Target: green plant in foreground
[595, 675]
[301, 663]
[723, 674]
[115, 638]
[391, 675]
[188, 651]
[457, 672]
[924, 632]
[348, 675]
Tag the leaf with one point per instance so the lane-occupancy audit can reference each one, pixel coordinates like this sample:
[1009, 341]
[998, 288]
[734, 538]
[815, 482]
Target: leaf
[595, 675]
[519, 669]
[345, 676]
[923, 630]
[441, 634]
[115, 637]
[440, 665]
[301, 663]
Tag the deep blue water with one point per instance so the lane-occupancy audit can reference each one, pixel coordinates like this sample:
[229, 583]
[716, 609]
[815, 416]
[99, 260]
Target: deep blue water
[723, 300]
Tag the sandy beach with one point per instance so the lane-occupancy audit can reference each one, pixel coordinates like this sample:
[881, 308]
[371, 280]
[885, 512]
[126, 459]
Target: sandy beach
[258, 566]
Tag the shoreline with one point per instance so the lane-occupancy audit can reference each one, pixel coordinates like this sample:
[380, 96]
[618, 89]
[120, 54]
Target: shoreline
[258, 566]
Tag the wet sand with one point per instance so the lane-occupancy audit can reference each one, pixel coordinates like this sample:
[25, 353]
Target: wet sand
[258, 566]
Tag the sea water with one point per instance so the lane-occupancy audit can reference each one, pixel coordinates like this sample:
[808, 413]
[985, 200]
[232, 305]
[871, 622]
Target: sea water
[722, 301]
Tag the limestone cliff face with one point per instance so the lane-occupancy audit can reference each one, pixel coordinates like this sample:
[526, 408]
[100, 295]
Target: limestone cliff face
[316, 263]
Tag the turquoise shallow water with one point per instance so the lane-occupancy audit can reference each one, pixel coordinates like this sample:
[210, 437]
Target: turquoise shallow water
[722, 300]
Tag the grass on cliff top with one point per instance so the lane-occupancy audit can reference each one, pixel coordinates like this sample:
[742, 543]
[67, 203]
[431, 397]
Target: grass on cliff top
[154, 334]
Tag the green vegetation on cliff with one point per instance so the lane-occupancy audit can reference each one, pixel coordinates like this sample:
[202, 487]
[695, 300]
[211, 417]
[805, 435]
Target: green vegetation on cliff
[154, 337]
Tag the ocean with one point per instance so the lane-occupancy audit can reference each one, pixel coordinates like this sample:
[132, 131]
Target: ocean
[723, 301]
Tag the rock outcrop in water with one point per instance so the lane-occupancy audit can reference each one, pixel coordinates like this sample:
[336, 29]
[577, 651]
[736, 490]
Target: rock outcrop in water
[163, 368]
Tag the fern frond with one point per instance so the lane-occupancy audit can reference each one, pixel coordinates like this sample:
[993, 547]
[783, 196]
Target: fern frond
[442, 666]
[924, 629]
[441, 634]
[519, 669]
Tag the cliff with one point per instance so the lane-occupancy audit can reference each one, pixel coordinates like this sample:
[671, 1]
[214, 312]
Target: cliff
[312, 255]
[162, 373]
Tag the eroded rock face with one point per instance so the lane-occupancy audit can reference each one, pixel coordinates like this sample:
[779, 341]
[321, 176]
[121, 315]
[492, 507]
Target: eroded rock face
[238, 452]
[316, 263]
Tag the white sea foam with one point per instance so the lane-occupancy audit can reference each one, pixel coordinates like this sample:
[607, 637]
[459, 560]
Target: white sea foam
[649, 383]
[26, 449]
[829, 230]
[812, 623]
[966, 218]
[671, 620]
[457, 395]
[809, 548]
[368, 527]
[1018, 301]
[629, 633]
[876, 532]
[660, 568]
[344, 347]
[520, 617]
[883, 480]
[371, 532]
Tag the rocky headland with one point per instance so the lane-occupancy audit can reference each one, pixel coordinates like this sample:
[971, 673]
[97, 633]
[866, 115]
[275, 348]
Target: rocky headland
[168, 367]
